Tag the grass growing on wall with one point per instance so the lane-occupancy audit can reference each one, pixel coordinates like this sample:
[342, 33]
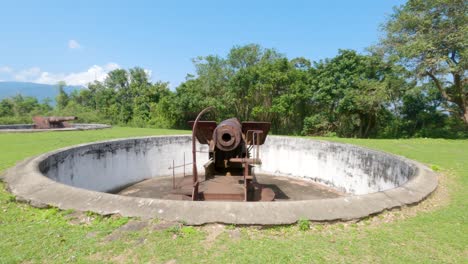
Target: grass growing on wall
[432, 232]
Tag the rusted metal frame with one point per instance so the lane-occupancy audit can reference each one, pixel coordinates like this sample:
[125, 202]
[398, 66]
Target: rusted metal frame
[249, 125]
[173, 167]
[254, 132]
[246, 172]
[249, 160]
[194, 153]
[246, 162]
[257, 134]
[204, 131]
[249, 148]
[255, 140]
[180, 166]
[247, 137]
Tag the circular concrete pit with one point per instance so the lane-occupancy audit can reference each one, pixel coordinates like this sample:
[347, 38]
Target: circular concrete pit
[29, 128]
[312, 179]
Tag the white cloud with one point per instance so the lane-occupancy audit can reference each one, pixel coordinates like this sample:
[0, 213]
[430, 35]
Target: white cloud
[5, 69]
[27, 74]
[35, 74]
[73, 44]
[94, 73]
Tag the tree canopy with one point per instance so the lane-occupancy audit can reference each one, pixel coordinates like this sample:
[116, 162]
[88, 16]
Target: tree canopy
[430, 37]
[413, 83]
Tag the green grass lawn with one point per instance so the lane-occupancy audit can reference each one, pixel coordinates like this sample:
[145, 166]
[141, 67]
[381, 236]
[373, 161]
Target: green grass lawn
[433, 232]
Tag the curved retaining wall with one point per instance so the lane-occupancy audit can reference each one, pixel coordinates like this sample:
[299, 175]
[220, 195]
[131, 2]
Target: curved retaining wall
[17, 126]
[77, 177]
[29, 128]
[111, 165]
[348, 168]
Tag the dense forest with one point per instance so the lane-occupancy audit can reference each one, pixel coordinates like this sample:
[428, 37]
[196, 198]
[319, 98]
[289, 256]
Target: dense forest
[412, 84]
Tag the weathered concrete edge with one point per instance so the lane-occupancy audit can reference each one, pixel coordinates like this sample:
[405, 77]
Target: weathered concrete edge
[29, 185]
[80, 126]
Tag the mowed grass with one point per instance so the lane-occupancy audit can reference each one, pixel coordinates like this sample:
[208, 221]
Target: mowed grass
[432, 232]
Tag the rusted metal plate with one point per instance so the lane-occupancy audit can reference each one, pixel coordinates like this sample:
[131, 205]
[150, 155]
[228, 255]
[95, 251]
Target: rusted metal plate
[267, 195]
[252, 126]
[223, 188]
[204, 131]
[40, 122]
[262, 193]
[180, 197]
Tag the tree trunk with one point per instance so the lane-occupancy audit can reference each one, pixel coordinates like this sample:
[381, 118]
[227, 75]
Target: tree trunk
[465, 115]
[361, 125]
[370, 125]
[459, 84]
[460, 98]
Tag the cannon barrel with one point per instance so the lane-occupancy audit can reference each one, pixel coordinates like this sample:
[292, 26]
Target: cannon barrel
[47, 122]
[228, 134]
[56, 119]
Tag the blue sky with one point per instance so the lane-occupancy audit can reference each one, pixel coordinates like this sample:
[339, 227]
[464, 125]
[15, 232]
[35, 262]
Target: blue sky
[79, 41]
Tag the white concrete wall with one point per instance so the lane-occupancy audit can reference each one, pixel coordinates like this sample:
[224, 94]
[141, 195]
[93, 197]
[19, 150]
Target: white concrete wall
[114, 164]
[109, 166]
[345, 167]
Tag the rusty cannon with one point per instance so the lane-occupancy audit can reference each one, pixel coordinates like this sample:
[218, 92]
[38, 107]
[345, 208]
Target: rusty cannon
[233, 152]
[50, 122]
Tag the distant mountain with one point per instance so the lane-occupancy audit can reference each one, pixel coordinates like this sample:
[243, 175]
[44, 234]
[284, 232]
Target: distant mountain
[38, 90]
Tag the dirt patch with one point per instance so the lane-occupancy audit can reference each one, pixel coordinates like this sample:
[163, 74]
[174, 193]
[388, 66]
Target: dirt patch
[134, 225]
[131, 226]
[213, 231]
[80, 218]
[137, 226]
[126, 257]
[235, 234]
[162, 225]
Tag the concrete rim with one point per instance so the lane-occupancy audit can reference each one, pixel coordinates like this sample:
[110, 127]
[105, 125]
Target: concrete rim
[76, 127]
[30, 185]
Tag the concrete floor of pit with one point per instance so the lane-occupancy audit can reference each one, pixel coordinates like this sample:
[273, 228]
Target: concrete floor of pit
[285, 188]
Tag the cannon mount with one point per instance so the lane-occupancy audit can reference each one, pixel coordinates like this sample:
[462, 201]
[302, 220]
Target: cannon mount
[233, 152]
[48, 122]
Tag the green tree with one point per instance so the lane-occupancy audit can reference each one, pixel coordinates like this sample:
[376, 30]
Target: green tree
[251, 83]
[117, 79]
[349, 92]
[431, 37]
[23, 105]
[62, 97]
[420, 113]
[117, 85]
[6, 107]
